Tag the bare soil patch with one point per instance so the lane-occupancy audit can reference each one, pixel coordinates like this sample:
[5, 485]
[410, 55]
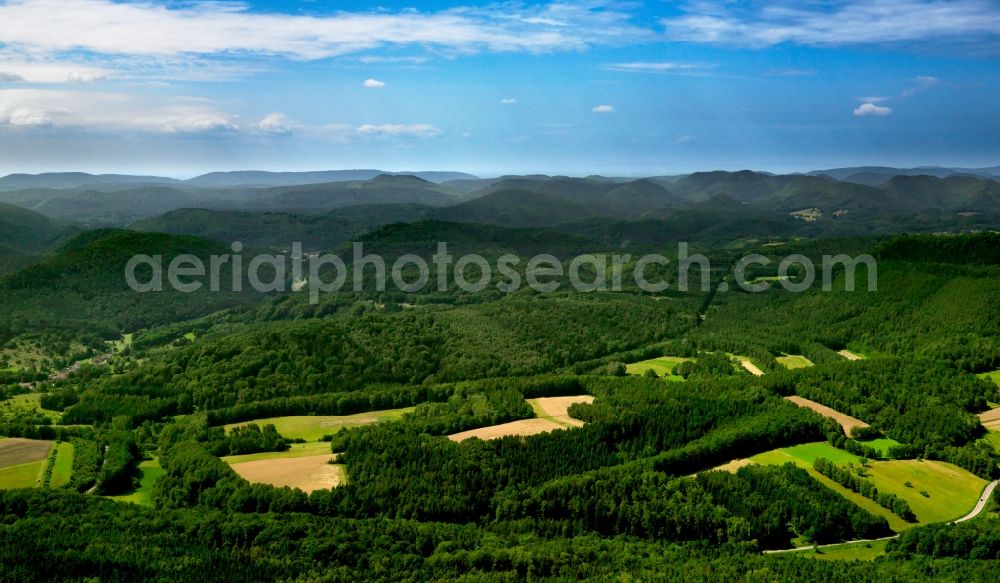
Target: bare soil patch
[305, 473]
[848, 354]
[524, 427]
[846, 421]
[14, 452]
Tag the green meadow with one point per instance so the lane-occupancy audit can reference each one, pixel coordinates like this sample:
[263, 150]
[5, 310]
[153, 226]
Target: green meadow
[663, 366]
[314, 427]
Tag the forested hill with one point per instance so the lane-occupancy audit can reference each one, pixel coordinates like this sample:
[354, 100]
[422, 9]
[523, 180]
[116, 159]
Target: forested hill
[81, 287]
[30, 232]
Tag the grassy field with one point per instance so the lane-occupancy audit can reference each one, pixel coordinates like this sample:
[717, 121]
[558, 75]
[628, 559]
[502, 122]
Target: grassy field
[848, 552]
[663, 366]
[27, 475]
[952, 491]
[881, 444]
[27, 403]
[297, 450]
[805, 454]
[62, 469]
[314, 427]
[993, 376]
[150, 472]
[793, 361]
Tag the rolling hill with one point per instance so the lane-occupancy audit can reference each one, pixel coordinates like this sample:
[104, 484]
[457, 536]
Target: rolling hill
[256, 229]
[516, 208]
[27, 232]
[261, 178]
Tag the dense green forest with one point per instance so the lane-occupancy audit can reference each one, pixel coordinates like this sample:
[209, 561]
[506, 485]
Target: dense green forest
[626, 487]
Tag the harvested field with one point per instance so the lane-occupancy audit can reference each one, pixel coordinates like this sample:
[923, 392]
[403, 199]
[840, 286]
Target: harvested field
[305, 473]
[734, 465]
[848, 354]
[846, 421]
[557, 408]
[14, 452]
[990, 419]
[524, 427]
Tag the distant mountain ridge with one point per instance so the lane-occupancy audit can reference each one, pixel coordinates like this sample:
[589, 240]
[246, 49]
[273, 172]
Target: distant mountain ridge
[241, 178]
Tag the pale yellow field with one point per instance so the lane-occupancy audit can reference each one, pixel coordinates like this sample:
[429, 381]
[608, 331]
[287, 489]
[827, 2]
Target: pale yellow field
[557, 408]
[305, 473]
[990, 419]
[848, 354]
[751, 367]
[523, 428]
[734, 465]
[846, 421]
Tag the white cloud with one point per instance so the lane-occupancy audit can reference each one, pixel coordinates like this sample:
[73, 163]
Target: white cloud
[685, 138]
[878, 99]
[870, 109]
[603, 109]
[111, 111]
[654, 67]
[277, 123]
[842, 22]
[508, 101]
[419, 130]
[85, 77]
[374, 84]
[186, 29]
[10, 77]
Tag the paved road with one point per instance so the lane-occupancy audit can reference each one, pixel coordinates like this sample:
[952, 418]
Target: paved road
[982, 502]
[975, 512]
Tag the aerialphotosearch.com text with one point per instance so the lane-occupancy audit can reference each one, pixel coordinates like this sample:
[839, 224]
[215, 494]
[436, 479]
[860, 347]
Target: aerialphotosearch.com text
[318, 274]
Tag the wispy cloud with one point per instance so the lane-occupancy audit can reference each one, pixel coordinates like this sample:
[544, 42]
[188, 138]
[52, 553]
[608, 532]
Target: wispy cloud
[278, 123]
[419, 130]
[655, 67]
[374, 84]
[840, 22]
[603, 109]
[10, 77]
[871, 109]
[110, 111]
[158, 31]
[508, 101]
[86, 77]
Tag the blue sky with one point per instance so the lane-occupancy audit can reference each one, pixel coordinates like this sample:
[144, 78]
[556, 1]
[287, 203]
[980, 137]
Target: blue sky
[622, 88]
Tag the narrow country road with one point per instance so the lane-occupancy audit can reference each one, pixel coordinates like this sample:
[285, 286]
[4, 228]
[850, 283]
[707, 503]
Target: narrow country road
[982, 502]
[975, 512]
